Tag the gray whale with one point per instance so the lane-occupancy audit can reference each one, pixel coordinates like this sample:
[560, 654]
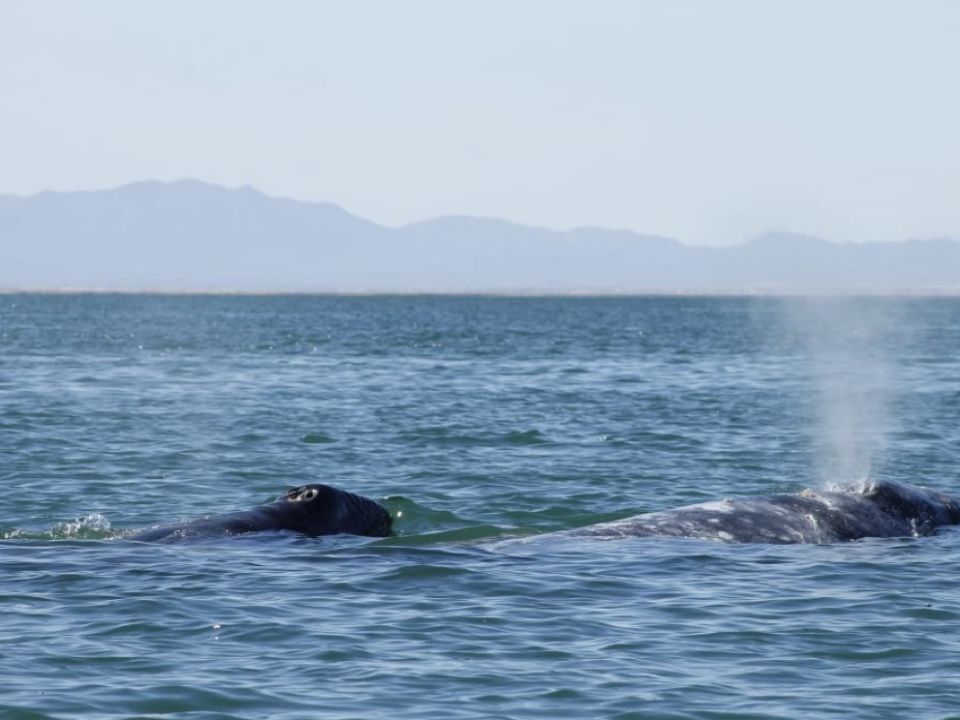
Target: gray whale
[881, 509]
[312, 510]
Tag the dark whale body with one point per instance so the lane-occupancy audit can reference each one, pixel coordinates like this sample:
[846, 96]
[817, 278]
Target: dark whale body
[882, 509]
[309, 509]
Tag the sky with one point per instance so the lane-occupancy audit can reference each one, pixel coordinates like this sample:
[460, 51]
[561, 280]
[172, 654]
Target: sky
[710, 122]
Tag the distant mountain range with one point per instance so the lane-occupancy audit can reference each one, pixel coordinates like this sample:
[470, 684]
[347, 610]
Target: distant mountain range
[189, 235]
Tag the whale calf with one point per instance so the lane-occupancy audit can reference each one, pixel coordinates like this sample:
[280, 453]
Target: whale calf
[880, 509]
[312, 510]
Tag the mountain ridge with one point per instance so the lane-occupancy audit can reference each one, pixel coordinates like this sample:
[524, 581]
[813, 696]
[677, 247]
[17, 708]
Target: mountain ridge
[191, 235]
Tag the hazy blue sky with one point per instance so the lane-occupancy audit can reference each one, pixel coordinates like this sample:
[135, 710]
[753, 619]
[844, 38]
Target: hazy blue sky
[707, 121]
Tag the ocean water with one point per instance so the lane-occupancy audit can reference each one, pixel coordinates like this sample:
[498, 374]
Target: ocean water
[484, 425]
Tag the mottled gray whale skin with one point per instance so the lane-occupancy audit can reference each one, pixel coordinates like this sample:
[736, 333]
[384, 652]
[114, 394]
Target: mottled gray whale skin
[881, 509]
[312, 510]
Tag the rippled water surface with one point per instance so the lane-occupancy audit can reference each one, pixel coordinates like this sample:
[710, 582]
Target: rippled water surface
[483, 424]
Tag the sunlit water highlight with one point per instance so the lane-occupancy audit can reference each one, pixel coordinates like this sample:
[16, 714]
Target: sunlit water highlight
[473, 420]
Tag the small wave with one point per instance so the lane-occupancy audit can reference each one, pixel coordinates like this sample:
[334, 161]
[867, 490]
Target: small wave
[95, 523]
[416, 524]
[527, 437]
[448, 436]
[651, 439]
[469, 534]
[317, 438]
[411, 518]
[92, 527]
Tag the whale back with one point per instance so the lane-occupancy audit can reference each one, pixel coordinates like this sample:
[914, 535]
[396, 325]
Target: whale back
[883, 509]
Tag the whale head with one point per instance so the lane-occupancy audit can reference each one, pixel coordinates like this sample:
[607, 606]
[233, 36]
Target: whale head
[925, 508]
[325, 510]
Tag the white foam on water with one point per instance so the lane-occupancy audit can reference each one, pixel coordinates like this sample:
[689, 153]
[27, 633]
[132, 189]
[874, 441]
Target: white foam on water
[93, 523]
